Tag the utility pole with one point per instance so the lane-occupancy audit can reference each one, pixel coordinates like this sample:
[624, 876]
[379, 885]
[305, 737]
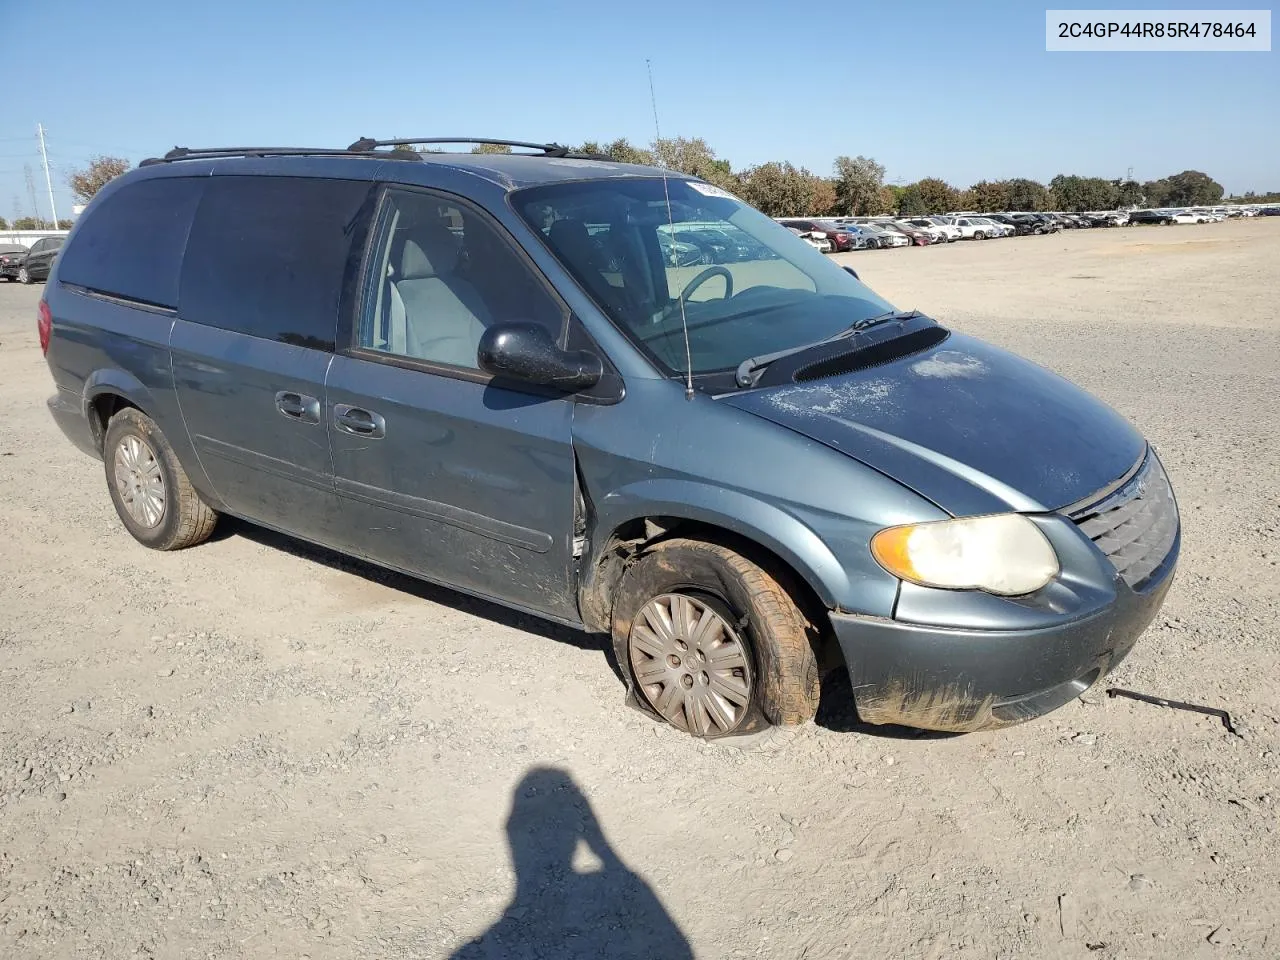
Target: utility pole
[53, 211]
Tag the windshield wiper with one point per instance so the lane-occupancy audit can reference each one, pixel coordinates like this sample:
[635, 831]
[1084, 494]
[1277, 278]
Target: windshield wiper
[748, 370]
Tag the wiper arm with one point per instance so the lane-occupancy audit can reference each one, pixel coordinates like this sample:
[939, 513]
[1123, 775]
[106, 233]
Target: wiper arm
[748, 370]
[882, 318]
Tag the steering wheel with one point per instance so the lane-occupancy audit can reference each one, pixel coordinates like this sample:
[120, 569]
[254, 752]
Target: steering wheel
[704, 276]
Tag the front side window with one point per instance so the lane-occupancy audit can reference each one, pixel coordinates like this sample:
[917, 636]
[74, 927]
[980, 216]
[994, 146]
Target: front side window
[767, 291]
[441, 273]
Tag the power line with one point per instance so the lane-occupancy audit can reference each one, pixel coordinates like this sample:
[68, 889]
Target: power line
[31, 189]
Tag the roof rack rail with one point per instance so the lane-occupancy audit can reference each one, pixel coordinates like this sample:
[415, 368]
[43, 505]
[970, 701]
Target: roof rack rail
[208, 153]
[365, 144]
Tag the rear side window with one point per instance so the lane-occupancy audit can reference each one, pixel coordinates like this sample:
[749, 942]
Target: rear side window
[268, 255]
[131, 244]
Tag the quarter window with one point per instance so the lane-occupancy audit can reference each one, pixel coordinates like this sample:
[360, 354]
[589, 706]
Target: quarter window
[130, 245]
[268, 256]
[441, 274]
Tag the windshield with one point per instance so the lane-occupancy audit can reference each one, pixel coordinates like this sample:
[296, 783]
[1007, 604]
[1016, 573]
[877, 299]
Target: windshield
[750, 286]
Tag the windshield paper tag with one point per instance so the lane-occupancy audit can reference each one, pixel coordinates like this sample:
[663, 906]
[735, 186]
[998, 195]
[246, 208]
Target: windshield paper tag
[708, 190]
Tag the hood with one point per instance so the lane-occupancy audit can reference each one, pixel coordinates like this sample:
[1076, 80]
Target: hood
[969, 426]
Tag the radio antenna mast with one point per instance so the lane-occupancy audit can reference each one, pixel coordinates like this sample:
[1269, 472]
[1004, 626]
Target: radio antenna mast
[671, 223]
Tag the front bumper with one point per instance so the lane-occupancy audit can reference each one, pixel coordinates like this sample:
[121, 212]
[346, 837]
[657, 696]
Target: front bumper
[962, 680]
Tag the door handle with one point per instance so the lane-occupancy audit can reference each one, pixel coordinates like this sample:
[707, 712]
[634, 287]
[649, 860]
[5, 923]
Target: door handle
[298, 406]
[359, 422]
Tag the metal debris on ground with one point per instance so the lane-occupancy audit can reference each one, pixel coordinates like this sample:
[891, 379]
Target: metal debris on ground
[1176, 705]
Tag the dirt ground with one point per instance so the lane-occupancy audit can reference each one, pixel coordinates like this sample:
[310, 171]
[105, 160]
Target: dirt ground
[257, 749]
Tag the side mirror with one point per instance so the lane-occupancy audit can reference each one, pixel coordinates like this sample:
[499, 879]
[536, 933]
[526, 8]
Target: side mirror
[852, 272]
[527, 352]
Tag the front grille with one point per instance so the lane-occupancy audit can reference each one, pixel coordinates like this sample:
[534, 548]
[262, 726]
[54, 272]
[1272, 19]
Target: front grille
[1135, 525]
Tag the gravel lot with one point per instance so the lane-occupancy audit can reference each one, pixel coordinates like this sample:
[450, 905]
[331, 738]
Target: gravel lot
[258, 749]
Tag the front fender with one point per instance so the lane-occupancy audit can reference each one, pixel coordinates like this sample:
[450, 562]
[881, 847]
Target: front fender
[785, 535]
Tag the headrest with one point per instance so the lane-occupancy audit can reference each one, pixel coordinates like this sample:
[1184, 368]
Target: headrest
[568, 231]
[432, 252]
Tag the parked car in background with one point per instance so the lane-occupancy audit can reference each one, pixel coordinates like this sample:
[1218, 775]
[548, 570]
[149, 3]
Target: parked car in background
[997, 228]
[723, 243]
[971, 229]
[841, 240]
[1048, 224]
[36, 264]
[876, 236]
[1188, 216]
[948, 231]
[928, 226]
[688, 461]
[11, 256]
[917, 235]
[819, 241]
[1159, 217]
[1020, 228]
[680, 253]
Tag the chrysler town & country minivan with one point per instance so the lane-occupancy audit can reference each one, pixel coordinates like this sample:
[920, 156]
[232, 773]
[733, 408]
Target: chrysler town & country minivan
[488, 371]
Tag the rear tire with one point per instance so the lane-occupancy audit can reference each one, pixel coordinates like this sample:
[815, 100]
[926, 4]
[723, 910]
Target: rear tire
[711, 643]
[150, 490]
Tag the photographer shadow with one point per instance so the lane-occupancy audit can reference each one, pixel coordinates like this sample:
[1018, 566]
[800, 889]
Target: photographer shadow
[558, 911]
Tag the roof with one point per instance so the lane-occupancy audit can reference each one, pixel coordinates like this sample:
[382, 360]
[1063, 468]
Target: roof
[516, 170]
[507, 171]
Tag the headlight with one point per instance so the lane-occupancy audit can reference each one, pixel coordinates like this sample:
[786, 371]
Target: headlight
[1004, 554]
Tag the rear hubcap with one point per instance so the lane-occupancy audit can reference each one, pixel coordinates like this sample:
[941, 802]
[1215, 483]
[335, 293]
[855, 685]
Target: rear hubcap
[139, 481]
[690, 665]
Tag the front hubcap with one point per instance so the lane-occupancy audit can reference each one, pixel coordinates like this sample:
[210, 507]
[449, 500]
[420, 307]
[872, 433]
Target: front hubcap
[690, 665]
[139, 481]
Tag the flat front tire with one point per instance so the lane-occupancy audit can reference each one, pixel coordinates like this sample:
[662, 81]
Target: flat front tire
[711, 643]
[150, 490]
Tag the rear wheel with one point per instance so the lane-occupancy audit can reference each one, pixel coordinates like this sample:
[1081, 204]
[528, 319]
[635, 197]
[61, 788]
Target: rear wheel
[713, 644]
[150, 490]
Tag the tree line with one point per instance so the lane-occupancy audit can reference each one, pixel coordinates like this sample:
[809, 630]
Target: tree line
[33, 223]
[855, 187]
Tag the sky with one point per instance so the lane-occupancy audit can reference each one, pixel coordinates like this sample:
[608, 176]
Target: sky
[962, 91]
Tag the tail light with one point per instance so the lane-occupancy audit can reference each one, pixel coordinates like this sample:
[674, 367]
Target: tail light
[44, 326]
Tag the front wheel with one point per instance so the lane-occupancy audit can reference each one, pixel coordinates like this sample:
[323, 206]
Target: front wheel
[713, 644]
[150, 490]
[979, 235]
[23, 275]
